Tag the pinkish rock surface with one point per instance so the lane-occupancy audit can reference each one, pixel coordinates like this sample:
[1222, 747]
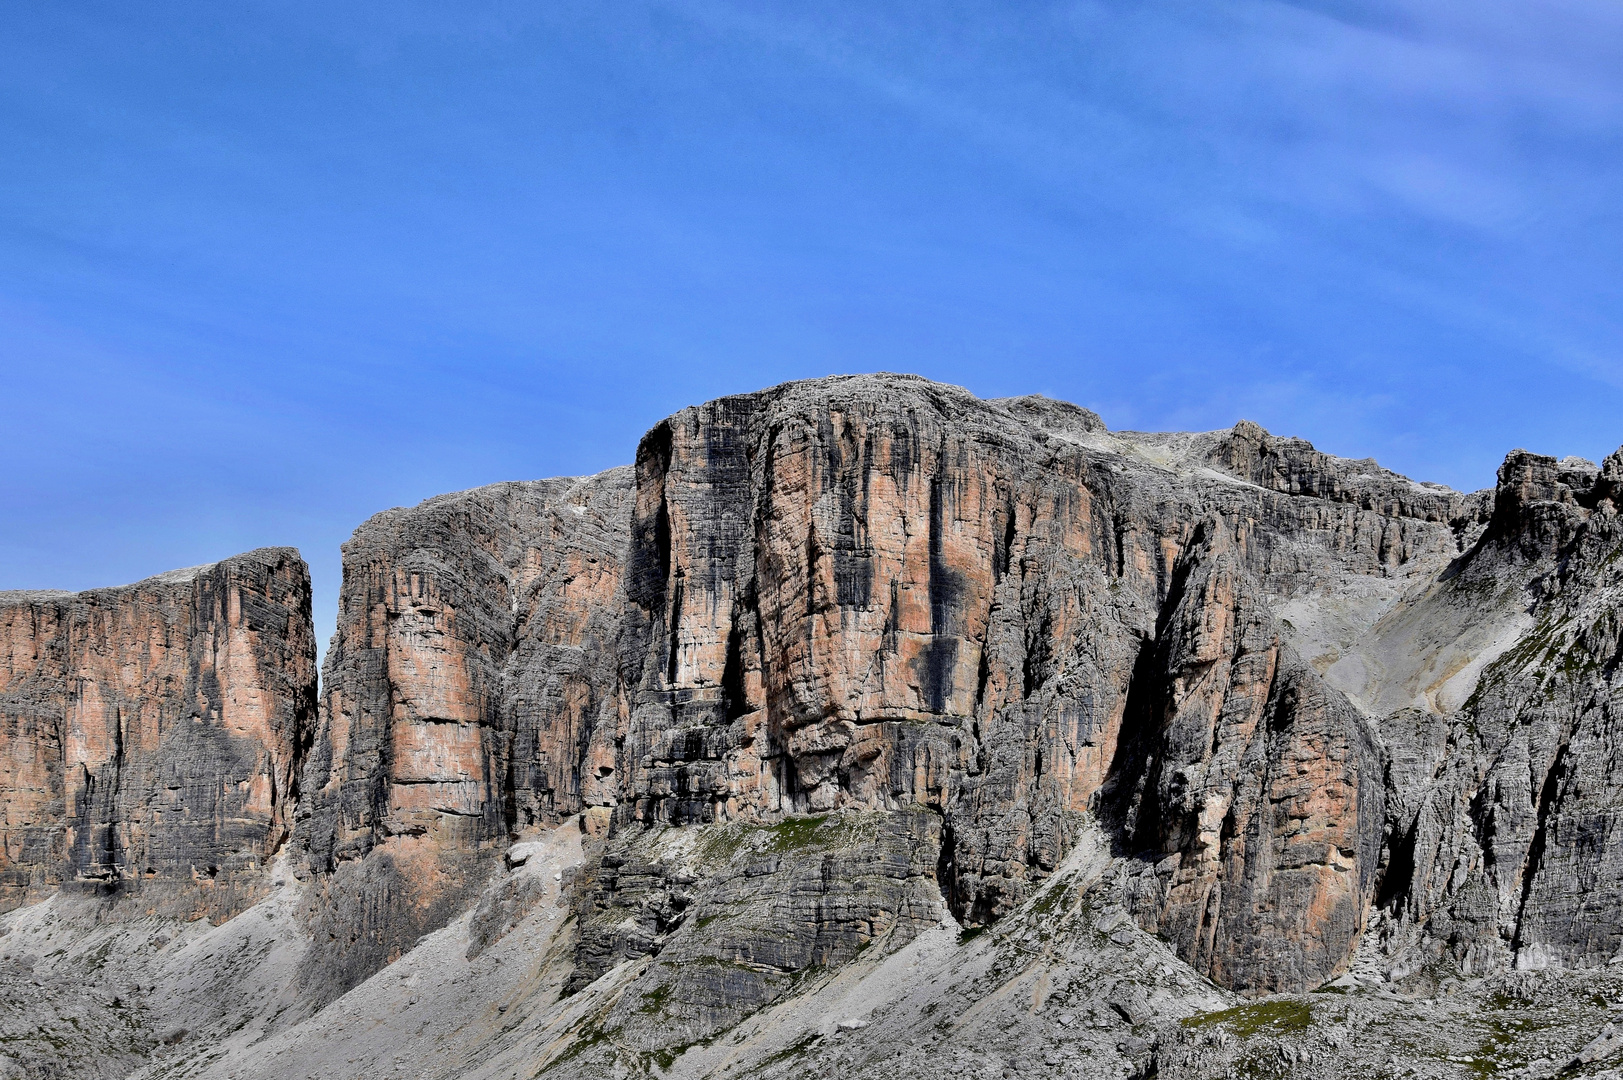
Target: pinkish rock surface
[150, 734]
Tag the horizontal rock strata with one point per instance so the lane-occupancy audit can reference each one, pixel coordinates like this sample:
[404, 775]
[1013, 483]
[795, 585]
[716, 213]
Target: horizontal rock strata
[874, 594]
[473, 661]
[851, 688]
[464, 697]
[1302, 695]
[150, 735]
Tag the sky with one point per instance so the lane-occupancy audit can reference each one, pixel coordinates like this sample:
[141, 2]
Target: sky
[269, 268]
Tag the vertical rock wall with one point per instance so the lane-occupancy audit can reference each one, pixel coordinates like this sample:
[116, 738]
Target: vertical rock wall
[844, 594]
[1259, 790]
[1505, 830]
[473, 657]
[474, 660]
[150, 735]
[880, 594]
[1297, 685]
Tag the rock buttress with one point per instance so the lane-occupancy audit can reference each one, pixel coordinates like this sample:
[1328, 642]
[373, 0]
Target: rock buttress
[1506, 830]
[472, 669]
[878, 593]
[1261, 804]
[473, 659]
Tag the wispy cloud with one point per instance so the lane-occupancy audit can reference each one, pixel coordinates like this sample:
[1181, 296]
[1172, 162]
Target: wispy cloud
[1272, 128]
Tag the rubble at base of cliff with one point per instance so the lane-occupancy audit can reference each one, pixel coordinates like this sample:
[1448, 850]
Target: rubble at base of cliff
[1066, 986]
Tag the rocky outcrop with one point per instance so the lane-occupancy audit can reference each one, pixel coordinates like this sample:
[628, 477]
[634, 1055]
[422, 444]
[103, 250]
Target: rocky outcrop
[1503, 823]
[473, 659]
[473, 663]
[740, 917]
[1259, 787]
[883, 593]
[151, 735]
[854, 714]
[874, 594]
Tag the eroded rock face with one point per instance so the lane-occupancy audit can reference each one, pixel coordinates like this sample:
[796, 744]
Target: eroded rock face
[150, 735]
[874, 594]
[1261, 785]
[1504, 822]
[473, 665]
[738, 918]
[879, 593]
[473, 659]
[826, 665]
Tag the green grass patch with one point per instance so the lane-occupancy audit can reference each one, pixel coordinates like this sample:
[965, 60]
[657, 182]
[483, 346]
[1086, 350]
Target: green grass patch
[720, 843]
[589, 1037]
[1047, 901]
[1278, 1017]
[654, 1000]
[794, 833]
[793, 1050]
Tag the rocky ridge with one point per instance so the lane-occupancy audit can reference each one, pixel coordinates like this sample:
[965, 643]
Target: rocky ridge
[885, 718]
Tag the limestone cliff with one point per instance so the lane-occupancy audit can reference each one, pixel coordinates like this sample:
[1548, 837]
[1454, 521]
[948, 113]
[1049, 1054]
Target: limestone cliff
[473, 658]
[151, 735]
[1504, 820]
[858, 721]
[876, 594]
[473, 665]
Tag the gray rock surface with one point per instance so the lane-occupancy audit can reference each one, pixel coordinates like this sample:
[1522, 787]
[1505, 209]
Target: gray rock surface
[474, 658]
[865, 727]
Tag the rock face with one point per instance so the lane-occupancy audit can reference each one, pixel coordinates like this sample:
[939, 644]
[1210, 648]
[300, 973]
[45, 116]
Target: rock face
[1504, 833]
[473, 660]
[737, 922]
[881, 593]
[471, 671]
[853, 692]
[151, 735]
[1262, 784]
[878, 594]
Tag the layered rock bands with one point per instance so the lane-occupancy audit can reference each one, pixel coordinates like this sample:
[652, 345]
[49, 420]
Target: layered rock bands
[1307, 697]
[150, 735]
[881, 594]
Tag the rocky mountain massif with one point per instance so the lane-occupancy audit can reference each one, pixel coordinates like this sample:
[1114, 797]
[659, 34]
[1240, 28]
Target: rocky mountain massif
[862, 726]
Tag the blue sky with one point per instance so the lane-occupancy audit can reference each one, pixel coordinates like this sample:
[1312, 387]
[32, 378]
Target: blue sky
[266, 269]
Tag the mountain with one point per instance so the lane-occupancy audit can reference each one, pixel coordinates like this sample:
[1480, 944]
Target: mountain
[859, 725]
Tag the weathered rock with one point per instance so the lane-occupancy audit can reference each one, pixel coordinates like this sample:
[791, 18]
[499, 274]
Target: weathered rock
[1508, 854]
[736, 920]
[1262, 798]
[876, 729]
[151, 735]
[877, 593]
[473, 658]
[474, 652]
